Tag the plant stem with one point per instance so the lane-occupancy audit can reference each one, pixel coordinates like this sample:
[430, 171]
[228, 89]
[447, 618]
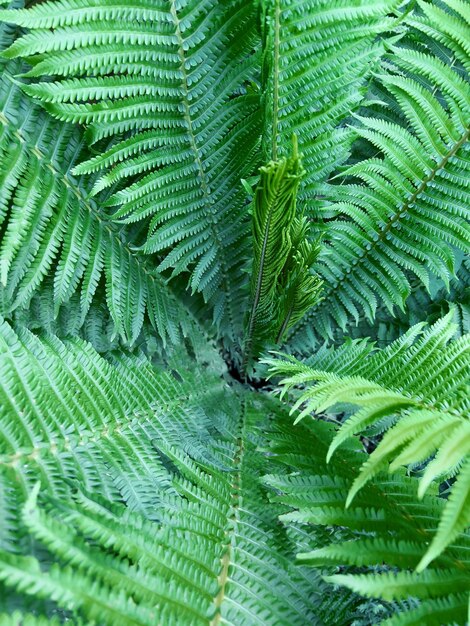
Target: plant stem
[285, 323]
[251, 326]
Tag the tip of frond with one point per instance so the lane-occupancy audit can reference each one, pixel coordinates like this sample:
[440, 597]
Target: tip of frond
[331, 451]
[247, 187]
[7, 15]
[79, 169]
[335, 579]
[423, 487]
[351, 495]
[32, 499]
[12, 79]
[426, 560]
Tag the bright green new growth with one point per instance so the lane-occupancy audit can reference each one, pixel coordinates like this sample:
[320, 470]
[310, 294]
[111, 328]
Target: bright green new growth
[298, 288]
[141, 482]
[282, 287]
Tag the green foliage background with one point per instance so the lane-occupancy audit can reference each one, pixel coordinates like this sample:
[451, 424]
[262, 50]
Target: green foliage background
[234, 332]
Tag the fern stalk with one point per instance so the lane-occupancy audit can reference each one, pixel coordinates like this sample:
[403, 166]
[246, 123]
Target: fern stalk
[285, 325]
[233, 517]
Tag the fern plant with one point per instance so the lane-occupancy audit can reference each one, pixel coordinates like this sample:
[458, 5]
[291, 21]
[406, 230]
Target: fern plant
[194, 192]
[374, 546]
[417, 391]
[403, 211]
[51, 228]
[172, 94]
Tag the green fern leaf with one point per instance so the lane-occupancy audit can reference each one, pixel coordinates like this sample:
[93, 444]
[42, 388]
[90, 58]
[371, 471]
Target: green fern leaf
[418, 392]
[406, 211]
[195, 543]
[282, 286]
[319, 56]
[172, 92]
[384, 532]
[455, 518]
[20, 619]
[51, 227]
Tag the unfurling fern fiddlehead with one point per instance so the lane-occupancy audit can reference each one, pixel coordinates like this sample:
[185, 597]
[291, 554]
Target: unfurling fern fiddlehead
[282, 287]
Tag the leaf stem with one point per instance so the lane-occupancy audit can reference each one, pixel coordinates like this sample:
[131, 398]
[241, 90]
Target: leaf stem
[251, 326]
[285, 323]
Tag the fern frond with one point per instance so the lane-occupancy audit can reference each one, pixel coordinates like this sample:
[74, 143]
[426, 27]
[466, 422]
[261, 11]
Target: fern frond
[422, 305]
[299, 288]
[282, 285]
[274, 209]
[417, 391]
[170, 88]
[21, 619]
[319, 55]
[408, 209]
[131, 476]
[85, 420]
[196, 542]
[51, 228]
[379, 540]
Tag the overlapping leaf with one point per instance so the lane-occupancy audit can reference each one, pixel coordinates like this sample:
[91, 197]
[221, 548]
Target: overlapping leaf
[196, 543]
[171, 89]
[407, 210]
[52, 229]
[417, 391]
[375, 545]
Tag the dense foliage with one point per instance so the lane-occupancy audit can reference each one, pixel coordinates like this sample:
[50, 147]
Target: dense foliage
[234, 312]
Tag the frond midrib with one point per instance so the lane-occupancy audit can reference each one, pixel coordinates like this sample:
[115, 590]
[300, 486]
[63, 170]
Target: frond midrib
[197, 159]
[84, 435]
[112, 229]
[277, 43]
[259, 282]
[232, 519]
